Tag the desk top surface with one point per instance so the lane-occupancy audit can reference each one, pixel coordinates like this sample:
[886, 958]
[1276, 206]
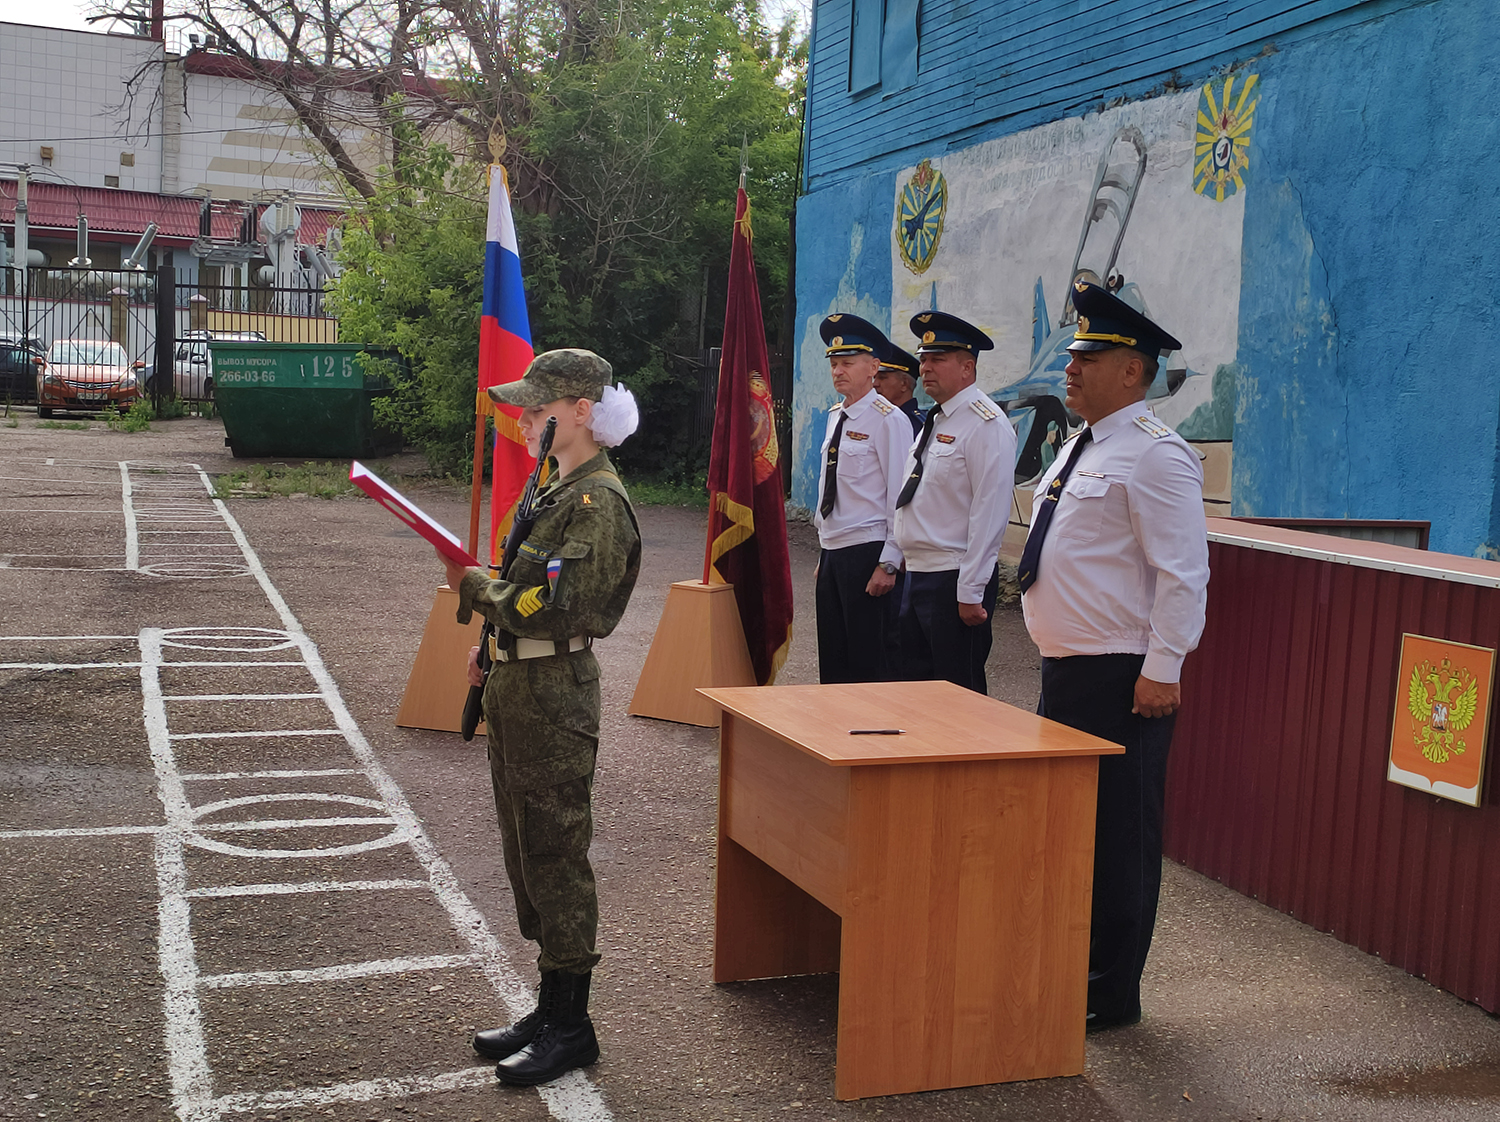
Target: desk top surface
[940, 722]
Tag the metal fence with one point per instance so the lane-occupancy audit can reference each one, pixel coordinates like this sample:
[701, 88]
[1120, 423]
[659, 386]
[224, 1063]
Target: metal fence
[162, 318]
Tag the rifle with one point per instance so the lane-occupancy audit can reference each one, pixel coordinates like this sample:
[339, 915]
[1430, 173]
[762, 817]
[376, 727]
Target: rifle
[520, 526]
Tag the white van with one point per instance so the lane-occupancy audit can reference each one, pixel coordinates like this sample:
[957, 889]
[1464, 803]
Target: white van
[192, 363]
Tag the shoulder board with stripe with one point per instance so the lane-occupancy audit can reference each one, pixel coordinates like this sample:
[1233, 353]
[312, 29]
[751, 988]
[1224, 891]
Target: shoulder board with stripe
[836, 407]
[883, 407]
[985, 408]
[1152, 427]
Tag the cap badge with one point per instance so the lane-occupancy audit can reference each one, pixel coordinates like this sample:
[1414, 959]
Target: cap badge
[924, 319]
[838, 341]
[1080, 286]
[836, 317]
[1083, 324]
[929, 336]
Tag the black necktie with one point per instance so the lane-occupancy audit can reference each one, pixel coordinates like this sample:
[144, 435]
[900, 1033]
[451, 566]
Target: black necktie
[831, 468]
[1041, 515]
[909, 488]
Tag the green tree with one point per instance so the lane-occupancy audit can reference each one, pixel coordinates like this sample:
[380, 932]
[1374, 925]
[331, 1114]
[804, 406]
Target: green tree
[624, 154]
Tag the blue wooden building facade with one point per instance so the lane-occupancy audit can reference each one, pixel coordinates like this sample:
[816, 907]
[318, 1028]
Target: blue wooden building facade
[1304, 193]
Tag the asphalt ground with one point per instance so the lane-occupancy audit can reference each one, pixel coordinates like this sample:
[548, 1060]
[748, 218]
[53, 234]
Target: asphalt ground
[235, 889]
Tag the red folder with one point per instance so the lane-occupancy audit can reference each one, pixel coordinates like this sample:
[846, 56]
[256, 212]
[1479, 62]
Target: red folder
[408, 511]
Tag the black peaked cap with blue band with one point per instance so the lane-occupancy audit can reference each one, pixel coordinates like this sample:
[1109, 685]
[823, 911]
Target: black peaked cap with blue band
[904, 361]
[845, 334]
[938, 331]
[1105, 321]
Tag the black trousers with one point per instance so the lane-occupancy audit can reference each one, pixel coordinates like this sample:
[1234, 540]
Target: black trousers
[851, 622]
[1094, 693]
[935, 644]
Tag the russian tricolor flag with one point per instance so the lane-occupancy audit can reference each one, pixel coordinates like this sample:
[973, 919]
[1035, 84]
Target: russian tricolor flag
[504, 353]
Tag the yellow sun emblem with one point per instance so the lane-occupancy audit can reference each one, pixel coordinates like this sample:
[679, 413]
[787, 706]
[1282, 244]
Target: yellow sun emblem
[1221, 153]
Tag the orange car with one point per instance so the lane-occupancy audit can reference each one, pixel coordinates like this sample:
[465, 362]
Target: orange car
[86, 374]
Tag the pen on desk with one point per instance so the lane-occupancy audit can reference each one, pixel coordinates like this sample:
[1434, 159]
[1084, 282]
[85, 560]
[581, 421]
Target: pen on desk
[876, 732]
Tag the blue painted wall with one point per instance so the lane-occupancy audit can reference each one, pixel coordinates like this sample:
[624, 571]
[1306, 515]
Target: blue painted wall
[1369, 277]
[1371, 242]
[992, 67]
[843, 264]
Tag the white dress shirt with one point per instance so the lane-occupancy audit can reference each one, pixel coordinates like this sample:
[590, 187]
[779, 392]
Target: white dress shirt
[957, 516]
[1124, 566]
[872, 450]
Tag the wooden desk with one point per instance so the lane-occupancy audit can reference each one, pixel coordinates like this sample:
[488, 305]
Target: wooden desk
[945, 873]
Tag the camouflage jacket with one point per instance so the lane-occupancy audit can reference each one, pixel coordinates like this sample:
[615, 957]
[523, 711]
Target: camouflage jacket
[574, 573]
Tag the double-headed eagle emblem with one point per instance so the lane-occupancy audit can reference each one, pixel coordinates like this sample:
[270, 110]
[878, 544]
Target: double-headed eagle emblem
[1442, 702]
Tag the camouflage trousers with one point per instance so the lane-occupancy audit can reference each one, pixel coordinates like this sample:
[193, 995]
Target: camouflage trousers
[542, 716]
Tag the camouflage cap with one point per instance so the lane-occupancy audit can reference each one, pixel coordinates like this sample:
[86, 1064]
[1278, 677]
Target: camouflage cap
[553, 375]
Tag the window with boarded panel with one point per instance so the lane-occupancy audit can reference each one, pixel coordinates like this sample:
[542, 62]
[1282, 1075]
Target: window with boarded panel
[865, 35]
[898, 55]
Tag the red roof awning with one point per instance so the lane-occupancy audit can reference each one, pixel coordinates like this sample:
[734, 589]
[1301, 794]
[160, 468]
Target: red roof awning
[52, 211]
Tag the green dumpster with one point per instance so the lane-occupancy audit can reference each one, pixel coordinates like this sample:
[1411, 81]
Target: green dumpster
[299, 399]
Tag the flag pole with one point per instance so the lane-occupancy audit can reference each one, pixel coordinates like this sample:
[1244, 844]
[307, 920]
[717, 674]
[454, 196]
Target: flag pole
[476, 489]
[708, 546]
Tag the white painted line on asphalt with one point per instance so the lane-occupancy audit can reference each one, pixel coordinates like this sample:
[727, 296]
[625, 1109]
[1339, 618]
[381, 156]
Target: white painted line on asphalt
[132, 540]
[340, 973]
[242, 697]
[82, 832]
[187, 1048]
[303, 887]
[61, 638]
[299, 773]
[254, 734]
[252, 824]
[215, 663]
[369, 1090]
[112, 484]
[67, 665]
[111, 511]
[50, 463]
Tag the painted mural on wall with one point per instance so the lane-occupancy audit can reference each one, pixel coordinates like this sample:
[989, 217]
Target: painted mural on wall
[1145, 198]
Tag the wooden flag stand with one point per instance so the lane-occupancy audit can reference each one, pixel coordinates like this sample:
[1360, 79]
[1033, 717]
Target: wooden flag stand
[438, 684]
[699, 642]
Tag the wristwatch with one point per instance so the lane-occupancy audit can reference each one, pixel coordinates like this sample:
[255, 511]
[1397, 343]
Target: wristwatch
[890, 568]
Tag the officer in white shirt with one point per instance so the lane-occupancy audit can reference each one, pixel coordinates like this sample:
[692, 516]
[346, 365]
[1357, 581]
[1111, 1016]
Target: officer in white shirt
[952, 509]
[864, 450]
[896, 381]
[1114, 577]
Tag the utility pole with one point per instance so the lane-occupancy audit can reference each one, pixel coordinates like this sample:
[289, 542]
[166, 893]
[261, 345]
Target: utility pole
[23, 251]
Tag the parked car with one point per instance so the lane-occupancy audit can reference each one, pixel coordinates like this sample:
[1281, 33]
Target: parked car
[86, 374]
[17, 372]
[193, 365]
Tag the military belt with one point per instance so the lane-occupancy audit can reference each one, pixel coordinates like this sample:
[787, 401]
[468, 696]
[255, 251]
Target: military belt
[520, 648]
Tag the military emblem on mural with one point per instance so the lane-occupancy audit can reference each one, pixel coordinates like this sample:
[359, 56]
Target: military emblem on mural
[919, 216]
[1442, 717]
[1221, 153]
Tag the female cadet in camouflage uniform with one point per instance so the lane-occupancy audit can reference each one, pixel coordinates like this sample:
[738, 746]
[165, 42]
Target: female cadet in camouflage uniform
[568, 585]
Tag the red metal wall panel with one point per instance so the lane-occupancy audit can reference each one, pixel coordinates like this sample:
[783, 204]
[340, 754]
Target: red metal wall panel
[1277, 784]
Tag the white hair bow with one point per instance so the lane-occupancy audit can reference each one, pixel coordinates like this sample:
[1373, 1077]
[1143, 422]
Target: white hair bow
[614, 416]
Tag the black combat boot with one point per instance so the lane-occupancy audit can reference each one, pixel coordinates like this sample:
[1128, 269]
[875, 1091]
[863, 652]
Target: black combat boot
[566, 1040]
[496, 1044]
